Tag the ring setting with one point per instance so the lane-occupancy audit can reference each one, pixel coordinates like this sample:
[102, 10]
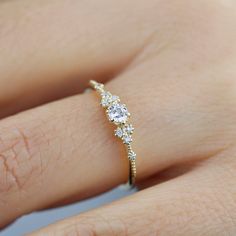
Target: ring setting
[118, 114]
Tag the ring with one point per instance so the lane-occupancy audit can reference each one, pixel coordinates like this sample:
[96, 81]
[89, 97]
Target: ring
[118, 114]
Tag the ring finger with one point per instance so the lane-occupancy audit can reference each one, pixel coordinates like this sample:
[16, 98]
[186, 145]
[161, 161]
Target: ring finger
[53, 152]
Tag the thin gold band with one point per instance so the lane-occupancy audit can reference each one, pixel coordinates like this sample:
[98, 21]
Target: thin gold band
[118, 114]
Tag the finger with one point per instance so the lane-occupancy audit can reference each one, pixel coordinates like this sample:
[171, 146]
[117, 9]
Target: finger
[52, 48]
[201, 202]
[67, 148]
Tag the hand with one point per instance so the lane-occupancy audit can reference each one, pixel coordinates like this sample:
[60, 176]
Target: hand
[171, 62]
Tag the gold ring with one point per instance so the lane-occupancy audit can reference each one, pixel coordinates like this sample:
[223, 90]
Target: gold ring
[118, 114]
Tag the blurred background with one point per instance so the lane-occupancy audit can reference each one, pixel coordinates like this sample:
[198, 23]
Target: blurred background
[34, 221]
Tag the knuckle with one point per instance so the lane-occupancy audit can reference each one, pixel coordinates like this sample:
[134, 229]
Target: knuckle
[198, 17]
[18, 159]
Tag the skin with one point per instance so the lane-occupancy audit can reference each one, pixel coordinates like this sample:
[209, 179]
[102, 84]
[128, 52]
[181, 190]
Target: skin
[173, 64]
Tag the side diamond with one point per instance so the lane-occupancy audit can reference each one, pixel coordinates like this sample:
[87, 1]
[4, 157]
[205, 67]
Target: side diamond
[127, 139]
[115, 98]
[97, 86]
[119, 132]
[108, 99]
[129, 129]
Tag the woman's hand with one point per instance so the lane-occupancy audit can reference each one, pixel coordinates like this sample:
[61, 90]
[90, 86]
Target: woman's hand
[172, 62]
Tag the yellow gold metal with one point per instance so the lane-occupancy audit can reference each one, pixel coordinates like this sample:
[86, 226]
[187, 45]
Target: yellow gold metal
[118, 114]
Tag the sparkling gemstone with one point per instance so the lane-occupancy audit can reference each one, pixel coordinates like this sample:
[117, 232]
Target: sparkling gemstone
[119, 132]
[132, 155]
[127, 139]
[117, 113]
[98, 86]
[129, 129]
[108, 98]
[115, 98]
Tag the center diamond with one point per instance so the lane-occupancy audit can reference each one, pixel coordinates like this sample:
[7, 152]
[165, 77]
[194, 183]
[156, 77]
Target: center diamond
[117, 113]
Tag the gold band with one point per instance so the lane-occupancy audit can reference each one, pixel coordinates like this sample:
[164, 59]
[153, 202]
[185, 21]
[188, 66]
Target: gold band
[118, 114]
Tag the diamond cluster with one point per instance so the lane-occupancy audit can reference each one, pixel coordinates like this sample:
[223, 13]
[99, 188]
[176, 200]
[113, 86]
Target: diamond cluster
[118, 114]
[125, 132]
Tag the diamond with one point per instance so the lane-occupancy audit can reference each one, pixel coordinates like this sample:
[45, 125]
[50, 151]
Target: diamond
[129, 129]
[127, 139]
[98, 86]
[108, 98]
[117, 113]
[119, 132]
[132, 155]
[115, 98]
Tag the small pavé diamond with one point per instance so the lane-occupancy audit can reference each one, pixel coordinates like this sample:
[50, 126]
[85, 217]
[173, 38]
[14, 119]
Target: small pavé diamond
[115, 98]
[119, 132]
[129, 129]
[108, 98]
[98, 86]
[127, 139]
